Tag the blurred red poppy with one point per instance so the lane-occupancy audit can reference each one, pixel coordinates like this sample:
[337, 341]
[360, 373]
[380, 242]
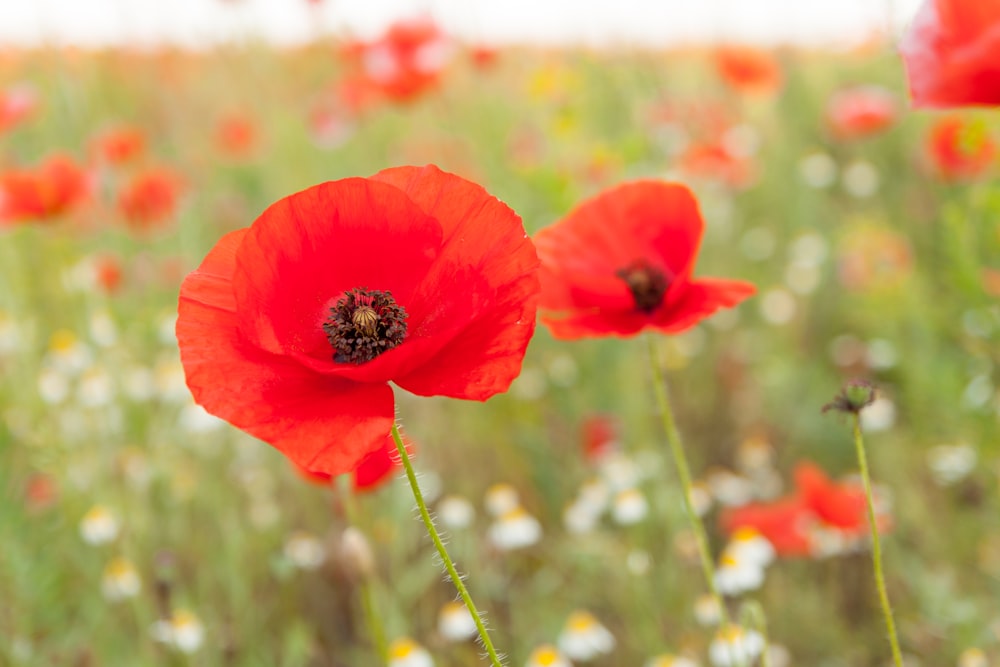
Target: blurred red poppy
[236, 136]
[714, 161]
[120, 145]
[291, 329]
[747, 69]
[862, 111]
[374, 470]
[952, 53]
[150, 199]
[17, 104]
[622, 261]
[961, 148]
[822, 517]
[407, 60]
[45, 192]
[600, 436]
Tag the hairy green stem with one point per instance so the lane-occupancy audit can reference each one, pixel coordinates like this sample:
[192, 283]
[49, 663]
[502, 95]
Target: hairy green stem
[883, 596]
[684, 474]
[449, 565]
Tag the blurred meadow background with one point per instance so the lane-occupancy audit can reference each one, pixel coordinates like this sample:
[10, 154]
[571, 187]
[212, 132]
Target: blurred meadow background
[139, 530]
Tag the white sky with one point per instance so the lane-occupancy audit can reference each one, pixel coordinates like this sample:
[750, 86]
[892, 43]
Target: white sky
[646, 22]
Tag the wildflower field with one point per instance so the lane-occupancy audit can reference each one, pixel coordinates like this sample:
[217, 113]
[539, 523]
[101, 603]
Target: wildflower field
[825, 231]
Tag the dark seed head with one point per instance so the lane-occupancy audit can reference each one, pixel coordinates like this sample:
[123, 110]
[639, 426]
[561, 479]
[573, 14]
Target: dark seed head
[363, 324]
[648, 284]
[854, 397]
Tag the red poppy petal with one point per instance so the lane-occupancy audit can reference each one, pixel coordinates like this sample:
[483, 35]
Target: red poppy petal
[951, 53]
[698, 300]
[323, 424]
[595, 324]
[487, 253]
[304, 251]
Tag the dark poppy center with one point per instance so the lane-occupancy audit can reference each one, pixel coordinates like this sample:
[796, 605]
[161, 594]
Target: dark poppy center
[363, 324]
[648, 284]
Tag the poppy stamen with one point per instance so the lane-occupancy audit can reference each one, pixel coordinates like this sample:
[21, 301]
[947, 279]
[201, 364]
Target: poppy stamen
[648, 284]
[363, 324]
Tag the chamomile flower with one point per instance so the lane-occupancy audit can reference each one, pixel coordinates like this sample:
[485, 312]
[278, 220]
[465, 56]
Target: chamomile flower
[183, 631]
[455, 622]
[515, 529]
[629, 507]
[973, 657]
[99, 525]
[748, 544]
[736, 575]
[584, 638]
[456, 512]
[120, 581]
[501, 499]
[735, 645]
[404, 652]
[547, 655]
[950, 464]
[706, 610]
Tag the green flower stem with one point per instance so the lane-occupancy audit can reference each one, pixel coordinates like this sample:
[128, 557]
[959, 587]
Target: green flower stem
[883, 596]
[684, 474]
[752, 616]
[449, 565]
[368, 607]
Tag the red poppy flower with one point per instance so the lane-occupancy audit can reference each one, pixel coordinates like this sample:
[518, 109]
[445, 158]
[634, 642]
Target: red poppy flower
[292, 328]
[600, 436]
[860, 112]
[149, 199]
[236, 136]
[45, 192]
[17, 104]
[786, 524]
[373, 471]
[407, 60]
[622, 262]
[714, 161]
[121, 145]
[960, 148]
[747, 69]
[802, 523]
[952, 53]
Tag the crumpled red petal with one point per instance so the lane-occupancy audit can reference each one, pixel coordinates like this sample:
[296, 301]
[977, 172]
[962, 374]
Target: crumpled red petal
[323, 424]
[486, 248]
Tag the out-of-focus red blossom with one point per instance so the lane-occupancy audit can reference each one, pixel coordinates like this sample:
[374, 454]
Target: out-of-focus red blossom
[714, 161]
[600, 436]
[748, 69]
[292, 328]
[236, 136]
[328, 126]
[40, 492]
[407, 60]
[862, 111]
[373, 471]
[357, 93]
[107, 272]
[484, 57]
[149, 199]
[42, 193]
[622, 262]
[961, 148]
[991, 281]
[952, 53]
[801, 523]
[120, 145]
[17, 104]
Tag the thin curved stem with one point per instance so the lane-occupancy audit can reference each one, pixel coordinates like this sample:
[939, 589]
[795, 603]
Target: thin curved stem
[368, 606]
[883, 595]
[449, 565]
[684, 475]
